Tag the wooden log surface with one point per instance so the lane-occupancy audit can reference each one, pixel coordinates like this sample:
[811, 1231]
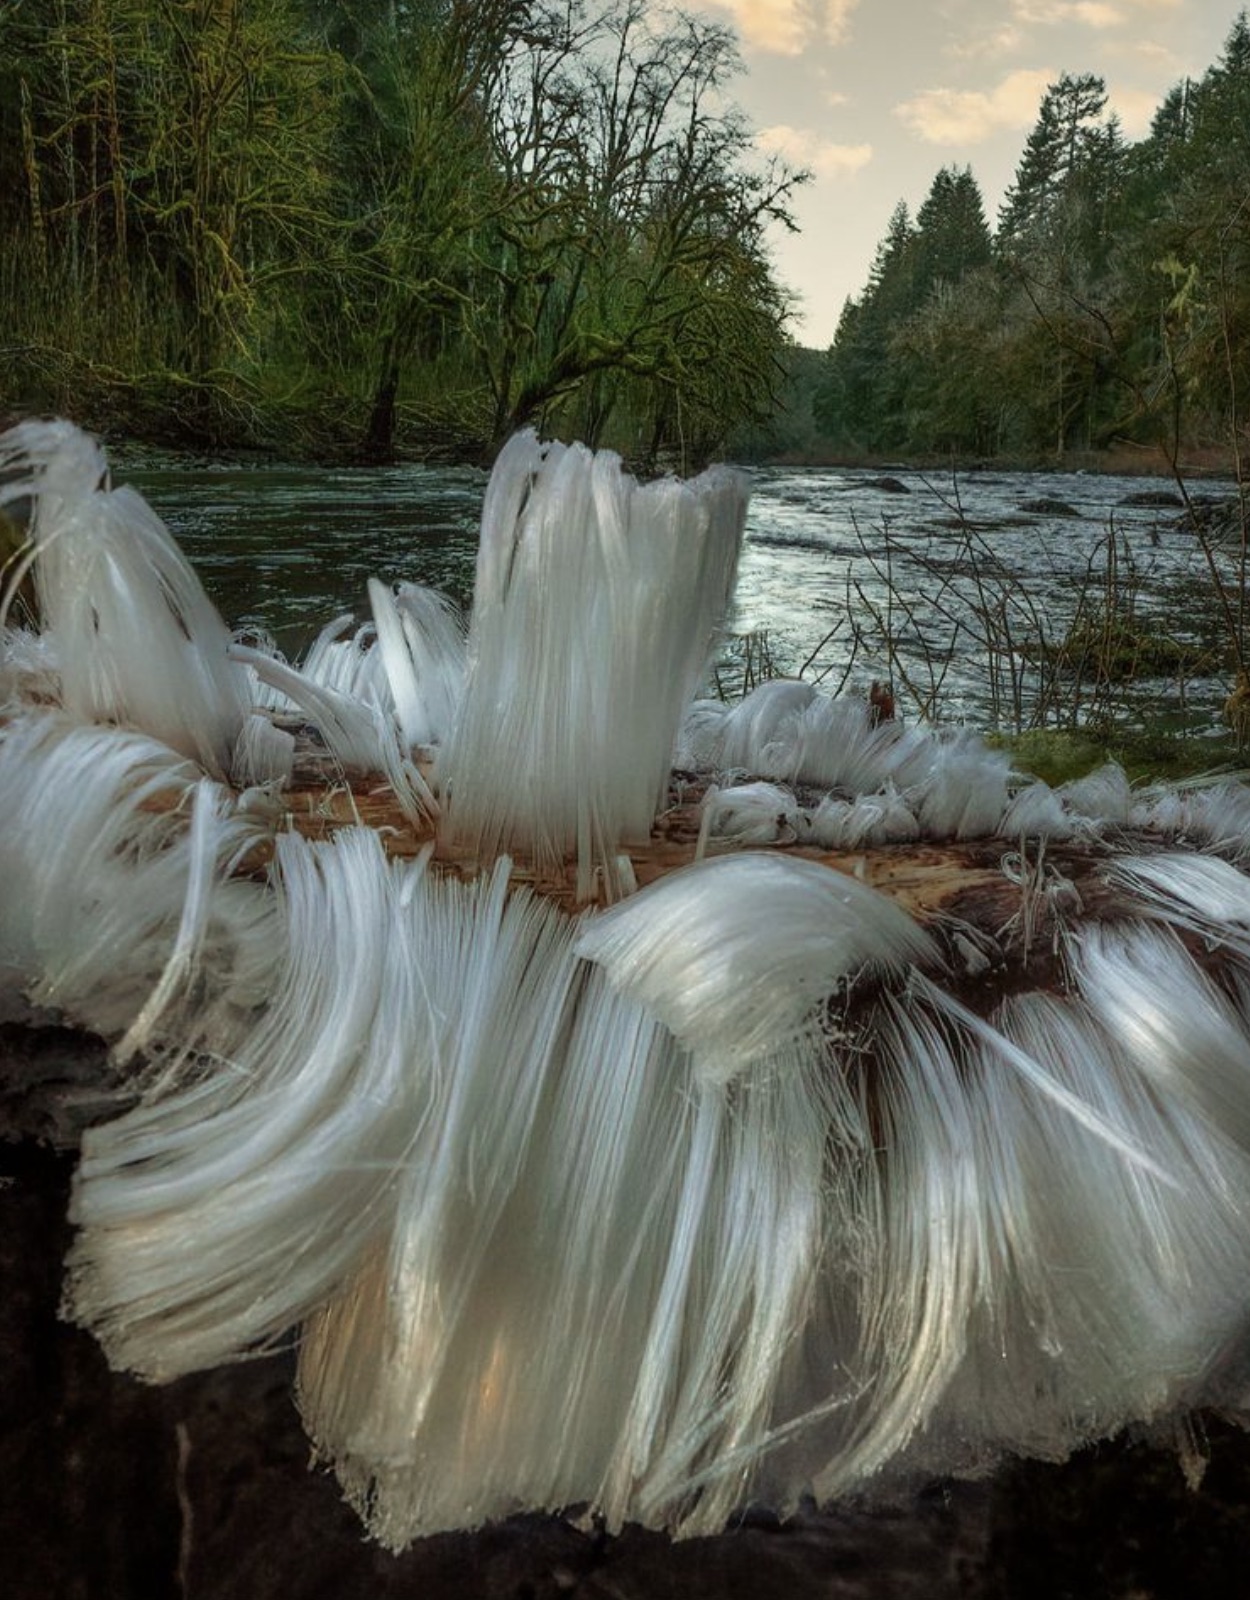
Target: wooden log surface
[981, 878]
[995, 904]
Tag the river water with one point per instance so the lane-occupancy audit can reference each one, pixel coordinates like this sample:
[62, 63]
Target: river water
[958, 590]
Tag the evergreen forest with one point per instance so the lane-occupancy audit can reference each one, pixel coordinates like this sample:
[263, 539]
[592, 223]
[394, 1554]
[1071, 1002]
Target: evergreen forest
[372, 226]
[1109, 306]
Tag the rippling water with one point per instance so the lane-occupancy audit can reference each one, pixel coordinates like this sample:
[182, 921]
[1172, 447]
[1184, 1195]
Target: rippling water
[963, 575]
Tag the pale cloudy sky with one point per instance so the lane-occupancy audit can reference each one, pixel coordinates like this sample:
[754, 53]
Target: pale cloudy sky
[875, 95]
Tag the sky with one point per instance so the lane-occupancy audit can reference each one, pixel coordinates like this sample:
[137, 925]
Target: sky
[875, 96]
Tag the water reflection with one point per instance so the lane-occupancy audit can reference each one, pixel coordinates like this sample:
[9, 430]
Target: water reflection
[286, 548]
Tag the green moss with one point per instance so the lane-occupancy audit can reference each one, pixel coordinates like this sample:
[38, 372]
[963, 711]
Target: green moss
[1105, 649]
[1058, 756]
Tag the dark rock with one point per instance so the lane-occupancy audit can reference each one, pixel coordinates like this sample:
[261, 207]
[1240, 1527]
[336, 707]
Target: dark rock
[54, 1081]
[1049, 508]
[1164, 499]
[887, 485]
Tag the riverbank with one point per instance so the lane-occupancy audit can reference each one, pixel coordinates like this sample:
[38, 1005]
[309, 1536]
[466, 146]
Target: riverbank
[1197, 463]
[310, 439]
[1119, 460]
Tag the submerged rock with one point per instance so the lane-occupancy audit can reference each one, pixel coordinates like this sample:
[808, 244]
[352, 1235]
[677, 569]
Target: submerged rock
[1164, 499]
[1218, 518]
[1046, 507]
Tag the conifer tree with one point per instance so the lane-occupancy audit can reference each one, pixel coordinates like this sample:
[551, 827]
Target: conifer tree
[952, 235]
[1069, 137]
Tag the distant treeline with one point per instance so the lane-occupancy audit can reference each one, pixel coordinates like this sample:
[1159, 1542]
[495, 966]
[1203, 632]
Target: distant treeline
[1111, 303]
[384, 223]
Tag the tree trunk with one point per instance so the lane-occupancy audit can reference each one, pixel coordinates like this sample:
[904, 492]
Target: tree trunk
[378, 445]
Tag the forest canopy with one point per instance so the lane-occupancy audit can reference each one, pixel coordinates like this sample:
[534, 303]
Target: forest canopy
[360, 226]
[1111, 303]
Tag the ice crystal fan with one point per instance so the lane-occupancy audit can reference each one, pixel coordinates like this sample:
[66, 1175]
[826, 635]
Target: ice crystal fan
[635, 1103]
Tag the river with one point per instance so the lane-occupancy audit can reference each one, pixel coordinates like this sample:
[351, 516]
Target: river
[957, 589]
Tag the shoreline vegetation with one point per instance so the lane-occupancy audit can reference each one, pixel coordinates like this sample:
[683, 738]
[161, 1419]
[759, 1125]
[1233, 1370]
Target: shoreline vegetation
[346, 231]
[1203, 464]
[1107, 308]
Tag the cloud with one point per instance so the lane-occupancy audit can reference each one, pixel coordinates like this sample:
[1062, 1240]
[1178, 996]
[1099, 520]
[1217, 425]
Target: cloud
[787, 27]
[1151, 50]
[836, 19]
[1136, 109]
[969, 116]
[1098, 14]
[1023, 17]
[987, 46]
[1048, 13]
[804, 148]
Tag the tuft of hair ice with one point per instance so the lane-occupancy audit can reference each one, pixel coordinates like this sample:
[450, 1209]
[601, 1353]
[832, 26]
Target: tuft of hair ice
[263, 753]
[1188, 1038]
[752, 729]
[218, 1213]
[406, 666]
[28, 669]
[873, 819]
[736, 954]
[1028, 1288]
[750, 814]
[701, 737]
[565, 734]
[361, 737]
[1202, 893]
[136, 640]
[1103, 795]
[333, 661]
[1212, 815]
[422, 650]
[1036, 811]
[732, 1192]
[117, 858]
